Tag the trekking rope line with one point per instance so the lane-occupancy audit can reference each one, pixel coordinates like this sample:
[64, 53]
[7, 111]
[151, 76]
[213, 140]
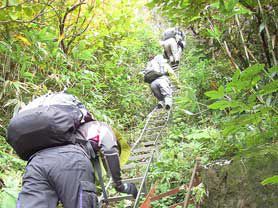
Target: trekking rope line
[142, 154]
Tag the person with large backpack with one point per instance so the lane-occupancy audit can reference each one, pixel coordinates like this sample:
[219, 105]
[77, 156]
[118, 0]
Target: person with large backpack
[61, 141]
[173, 44]
[157, 74]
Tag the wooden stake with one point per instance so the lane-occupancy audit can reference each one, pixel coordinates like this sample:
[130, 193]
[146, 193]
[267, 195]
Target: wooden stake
[191, 183]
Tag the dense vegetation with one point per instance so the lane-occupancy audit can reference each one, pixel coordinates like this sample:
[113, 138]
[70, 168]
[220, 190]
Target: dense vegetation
[228, 96]
[95, 49]
[228, 100]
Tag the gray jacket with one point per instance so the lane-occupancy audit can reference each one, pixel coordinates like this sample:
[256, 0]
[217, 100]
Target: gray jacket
[104, 140]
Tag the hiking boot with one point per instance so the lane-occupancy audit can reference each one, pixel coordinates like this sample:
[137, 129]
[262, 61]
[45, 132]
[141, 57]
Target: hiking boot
[160, 104]
[168, 103]
[167, 107]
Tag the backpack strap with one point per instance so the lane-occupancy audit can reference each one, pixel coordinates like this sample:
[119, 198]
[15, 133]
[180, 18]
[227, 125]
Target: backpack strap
[95, 161]
[98, 170]
[90, 151]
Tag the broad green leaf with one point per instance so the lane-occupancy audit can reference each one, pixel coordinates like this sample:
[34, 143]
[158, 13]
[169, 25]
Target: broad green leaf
[255, 80]
[28, 11]
[231, 4]
[222, 7]
[269, 88]
[198, 135]
[273, 69]
[216, 94]
[251, 71]
[151, 4]
[13, 2]
[215, 33]
[194, 18]
[220, 105]
[13, 15]
[271, 180]
[236, 75]
[8, 194]
[242, 10]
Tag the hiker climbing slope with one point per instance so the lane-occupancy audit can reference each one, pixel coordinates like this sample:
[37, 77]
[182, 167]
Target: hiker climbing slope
[173, 44]
[60, 139]
[157, 74]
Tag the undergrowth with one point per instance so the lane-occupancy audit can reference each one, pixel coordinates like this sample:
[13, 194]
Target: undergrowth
[216, 116]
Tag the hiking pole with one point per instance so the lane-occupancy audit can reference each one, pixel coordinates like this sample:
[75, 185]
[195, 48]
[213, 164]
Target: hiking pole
[185, 205]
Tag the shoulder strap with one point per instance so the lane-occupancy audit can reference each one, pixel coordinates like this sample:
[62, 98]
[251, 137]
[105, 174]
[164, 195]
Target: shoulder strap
[98, 170]
[88, 147]
[95, 161]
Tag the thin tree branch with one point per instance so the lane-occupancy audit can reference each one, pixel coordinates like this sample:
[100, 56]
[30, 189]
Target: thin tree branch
[80, 33]
[267, 35]
[62, 24]
[69, 11]
[230, 55]
[242, 39]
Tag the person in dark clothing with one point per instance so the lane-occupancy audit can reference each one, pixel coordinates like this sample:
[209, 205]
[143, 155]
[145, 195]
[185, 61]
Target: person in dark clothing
[65, 173]
[62, 173]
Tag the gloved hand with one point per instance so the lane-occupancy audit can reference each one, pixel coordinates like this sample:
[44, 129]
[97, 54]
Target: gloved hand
[128, 188]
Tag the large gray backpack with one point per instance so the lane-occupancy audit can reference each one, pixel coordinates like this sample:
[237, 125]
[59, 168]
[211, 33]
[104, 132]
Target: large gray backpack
[169, 33]
[172, 32]
[48, 121]
[154, 70]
